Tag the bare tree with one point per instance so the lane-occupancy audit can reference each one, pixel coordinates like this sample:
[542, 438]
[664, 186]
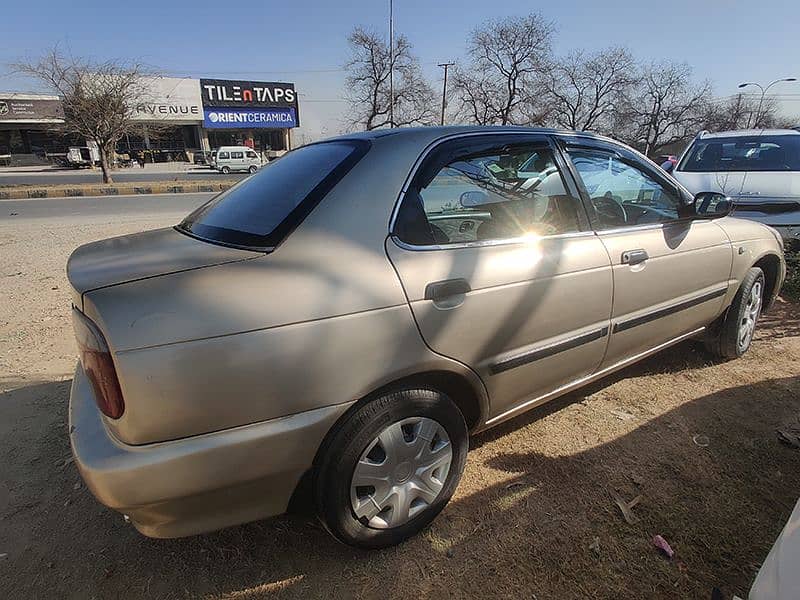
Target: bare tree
[503, 80]
[99, 99]
[368, 83]
[667, 108]
[742, 112]
[586, 90]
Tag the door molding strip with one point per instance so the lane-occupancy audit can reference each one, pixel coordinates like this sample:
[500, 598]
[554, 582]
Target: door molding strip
[669, 310]
[532, 403]
[529, 356]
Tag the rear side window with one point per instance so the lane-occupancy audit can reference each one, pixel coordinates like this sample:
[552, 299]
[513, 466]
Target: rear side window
[260, 211]
[499, 192]
[237, 154]
[224, 155]
[746, 153]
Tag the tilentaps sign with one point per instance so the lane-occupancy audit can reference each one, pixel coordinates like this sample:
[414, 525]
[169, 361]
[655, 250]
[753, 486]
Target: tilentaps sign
[247, 94]
[173, 99]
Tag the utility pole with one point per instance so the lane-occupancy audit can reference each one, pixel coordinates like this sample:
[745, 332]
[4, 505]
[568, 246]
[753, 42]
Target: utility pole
[391, 64]
[444, 88]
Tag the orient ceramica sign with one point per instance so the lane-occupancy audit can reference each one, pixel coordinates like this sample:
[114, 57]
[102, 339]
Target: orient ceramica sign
[248, 104]
[170, 99]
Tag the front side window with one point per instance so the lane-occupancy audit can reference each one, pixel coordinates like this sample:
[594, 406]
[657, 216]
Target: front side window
[498, 193]
[622, 194]
[746, 153]
[251, 154]
[261, 210]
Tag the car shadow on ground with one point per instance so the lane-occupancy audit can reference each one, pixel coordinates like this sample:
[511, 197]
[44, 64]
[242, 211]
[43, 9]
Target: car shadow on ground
[713, 478]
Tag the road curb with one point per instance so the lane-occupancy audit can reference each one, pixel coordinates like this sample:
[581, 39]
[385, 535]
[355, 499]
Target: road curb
[121, 189]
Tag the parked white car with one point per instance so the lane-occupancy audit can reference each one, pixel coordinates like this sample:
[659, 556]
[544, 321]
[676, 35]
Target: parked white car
[236, 158]
[758, 169]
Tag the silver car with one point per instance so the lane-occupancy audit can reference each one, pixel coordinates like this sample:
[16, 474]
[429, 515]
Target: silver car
[759, 170]
[348, 315]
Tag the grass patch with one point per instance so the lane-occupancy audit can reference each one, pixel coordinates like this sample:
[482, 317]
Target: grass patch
[791, 287]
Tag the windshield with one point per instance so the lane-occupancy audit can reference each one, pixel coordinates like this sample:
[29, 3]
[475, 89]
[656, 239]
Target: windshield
[747, 153]
[261, 210]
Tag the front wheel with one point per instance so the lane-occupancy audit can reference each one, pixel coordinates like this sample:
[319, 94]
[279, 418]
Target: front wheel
[390, 467]
[253, 169]
[732, 335]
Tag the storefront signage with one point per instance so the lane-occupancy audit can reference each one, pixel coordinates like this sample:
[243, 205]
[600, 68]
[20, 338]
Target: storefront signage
[249, 118]
[169, 99]
[20, 107]
[250, 94]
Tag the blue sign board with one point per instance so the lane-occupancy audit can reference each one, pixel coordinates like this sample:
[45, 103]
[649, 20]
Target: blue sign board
[249, 118]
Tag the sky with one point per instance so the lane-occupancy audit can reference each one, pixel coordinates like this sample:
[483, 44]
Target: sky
[304, 41]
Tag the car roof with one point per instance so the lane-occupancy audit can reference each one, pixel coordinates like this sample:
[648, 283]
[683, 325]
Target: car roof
[447, 130]
[748, 133]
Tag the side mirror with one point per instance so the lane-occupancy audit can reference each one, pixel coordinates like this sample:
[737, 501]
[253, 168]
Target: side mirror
[712, 204]
[668, 166]
[474, 198]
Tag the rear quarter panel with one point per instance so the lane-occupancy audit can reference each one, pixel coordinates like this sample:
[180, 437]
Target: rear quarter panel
[320, 321]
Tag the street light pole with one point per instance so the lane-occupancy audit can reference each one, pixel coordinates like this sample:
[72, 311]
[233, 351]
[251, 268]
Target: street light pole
[763, 93]
[444, 88]
[391, 64]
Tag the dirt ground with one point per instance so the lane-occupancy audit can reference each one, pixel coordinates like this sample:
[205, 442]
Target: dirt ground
[533, 517]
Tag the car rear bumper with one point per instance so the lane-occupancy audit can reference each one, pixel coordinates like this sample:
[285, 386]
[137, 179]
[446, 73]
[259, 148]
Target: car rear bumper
[196, 484]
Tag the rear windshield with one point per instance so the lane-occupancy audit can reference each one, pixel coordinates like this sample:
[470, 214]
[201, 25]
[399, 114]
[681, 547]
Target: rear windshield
[261, 210]
[750, 153]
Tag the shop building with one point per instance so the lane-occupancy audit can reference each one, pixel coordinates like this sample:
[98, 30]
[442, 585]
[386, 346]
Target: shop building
[26, 126]
[179, 117]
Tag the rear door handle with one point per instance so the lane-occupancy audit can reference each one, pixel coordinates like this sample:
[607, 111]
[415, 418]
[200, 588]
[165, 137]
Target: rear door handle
[634, 257]
[439, 290]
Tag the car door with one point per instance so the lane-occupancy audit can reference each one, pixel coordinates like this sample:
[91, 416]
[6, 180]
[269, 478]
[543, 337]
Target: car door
[501, 271]
[237, 160]
[252, 159]
[670, 272]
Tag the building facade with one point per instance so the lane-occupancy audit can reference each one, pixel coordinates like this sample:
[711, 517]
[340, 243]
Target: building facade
[179, 117]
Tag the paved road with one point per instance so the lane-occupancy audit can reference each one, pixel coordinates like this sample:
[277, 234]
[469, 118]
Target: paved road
[87, 208]
[66, 177]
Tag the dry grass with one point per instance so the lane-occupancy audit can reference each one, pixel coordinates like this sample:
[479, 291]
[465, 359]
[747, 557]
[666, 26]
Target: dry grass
[536, 493]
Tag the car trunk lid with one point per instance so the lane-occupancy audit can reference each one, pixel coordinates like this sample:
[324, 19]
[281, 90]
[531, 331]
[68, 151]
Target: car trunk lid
[141, 256]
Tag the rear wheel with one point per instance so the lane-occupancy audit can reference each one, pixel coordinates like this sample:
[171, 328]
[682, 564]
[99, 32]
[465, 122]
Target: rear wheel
[732, 335]
[225, 170]
[390, 467]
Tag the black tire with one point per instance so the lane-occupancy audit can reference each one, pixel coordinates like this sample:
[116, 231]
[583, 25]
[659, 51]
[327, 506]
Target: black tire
[344, 446]
[722, 339]
[253, 169]
[225, 170]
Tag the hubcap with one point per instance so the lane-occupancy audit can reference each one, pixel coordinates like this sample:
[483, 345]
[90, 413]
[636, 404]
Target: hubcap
[747, 325]
[401, 472]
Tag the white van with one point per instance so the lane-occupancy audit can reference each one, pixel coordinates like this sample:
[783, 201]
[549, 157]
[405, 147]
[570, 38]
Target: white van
[236, 158]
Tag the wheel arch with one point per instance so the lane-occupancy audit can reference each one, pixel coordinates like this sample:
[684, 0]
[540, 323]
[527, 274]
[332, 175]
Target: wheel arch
[770, 264]
[465, 389]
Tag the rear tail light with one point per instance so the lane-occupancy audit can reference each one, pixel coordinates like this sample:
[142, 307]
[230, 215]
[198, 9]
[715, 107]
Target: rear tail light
[98, 366]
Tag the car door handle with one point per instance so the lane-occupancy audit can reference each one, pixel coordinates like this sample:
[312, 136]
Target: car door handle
[634, 257]
[438, 290]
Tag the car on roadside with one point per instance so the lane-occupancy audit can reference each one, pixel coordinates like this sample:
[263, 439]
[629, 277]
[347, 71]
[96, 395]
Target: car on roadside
[667, 161]
[759, 170]
[201, 158]
[778, 578]
[343, 320]
[236, 158]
